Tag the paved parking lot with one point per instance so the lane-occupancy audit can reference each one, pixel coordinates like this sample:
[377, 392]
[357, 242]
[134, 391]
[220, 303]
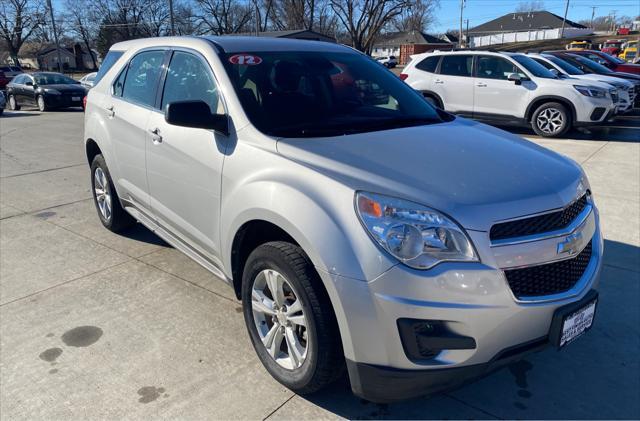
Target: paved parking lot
[95, 325]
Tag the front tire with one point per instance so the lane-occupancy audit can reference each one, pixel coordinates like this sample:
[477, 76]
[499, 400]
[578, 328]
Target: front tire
[105, 197]
[13, 104]
[551, 120]
[42, 105]
[290, 318]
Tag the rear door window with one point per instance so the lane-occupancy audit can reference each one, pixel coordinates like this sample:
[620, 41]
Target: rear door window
[457, 65]
[429, 64]
[143, 74]
[492, 67]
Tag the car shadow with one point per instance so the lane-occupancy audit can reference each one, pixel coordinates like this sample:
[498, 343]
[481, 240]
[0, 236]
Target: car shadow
[550, 384]
[618, 131]
[139, 232]
[16, 114]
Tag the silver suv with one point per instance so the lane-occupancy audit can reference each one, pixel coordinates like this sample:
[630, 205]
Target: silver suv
[360, 226]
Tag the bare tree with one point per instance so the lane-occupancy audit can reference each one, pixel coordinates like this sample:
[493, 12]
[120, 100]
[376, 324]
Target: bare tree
[81, 21]
[19, 19]
[156, 18]
[363, 20]
[224, 16]
[418, 17]
[530, 6]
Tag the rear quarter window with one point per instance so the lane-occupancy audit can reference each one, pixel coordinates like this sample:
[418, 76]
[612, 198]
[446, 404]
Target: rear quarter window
[108, 62]
[429, 64]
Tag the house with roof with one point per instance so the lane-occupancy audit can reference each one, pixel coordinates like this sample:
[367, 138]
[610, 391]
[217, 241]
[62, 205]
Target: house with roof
[404, 44]
[524, 26]
[73, 58]
[306, 34]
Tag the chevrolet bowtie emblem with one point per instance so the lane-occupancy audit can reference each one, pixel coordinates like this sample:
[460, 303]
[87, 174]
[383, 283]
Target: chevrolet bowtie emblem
[570, 244]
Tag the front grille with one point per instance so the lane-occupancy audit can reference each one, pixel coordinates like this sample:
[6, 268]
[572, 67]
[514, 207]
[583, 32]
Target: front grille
[552, 278]
[538, 224]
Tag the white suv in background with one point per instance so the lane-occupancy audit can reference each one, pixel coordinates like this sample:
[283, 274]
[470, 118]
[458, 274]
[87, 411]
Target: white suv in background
[507, 88]
[564, 69]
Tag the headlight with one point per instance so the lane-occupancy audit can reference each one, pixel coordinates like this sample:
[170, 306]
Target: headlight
[416, 235]
[592, 92]
[51, 91]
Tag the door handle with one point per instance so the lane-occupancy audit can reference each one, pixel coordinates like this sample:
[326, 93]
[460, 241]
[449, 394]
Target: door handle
[481, 85]
[438, 81]
[110, 111]
[156, 138]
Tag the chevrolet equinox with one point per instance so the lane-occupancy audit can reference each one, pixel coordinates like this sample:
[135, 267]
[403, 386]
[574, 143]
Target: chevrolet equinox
[361, 227]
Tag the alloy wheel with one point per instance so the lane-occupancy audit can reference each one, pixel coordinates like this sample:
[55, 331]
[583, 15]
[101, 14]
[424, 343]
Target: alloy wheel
[279, 319]
[550, 120]
[103, 194]
[12, 103]
[41, 104]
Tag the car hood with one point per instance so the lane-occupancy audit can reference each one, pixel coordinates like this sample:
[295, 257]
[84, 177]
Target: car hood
[473, 172]
[628, 76]
[65, 88]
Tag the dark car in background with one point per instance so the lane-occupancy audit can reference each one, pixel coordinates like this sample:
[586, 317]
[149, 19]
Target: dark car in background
[590, 66]
[609, 61]
[10, 71]
[4, 80]
[46, 90]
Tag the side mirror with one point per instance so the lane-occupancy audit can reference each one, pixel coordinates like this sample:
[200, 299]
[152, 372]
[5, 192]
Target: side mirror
[555, 72]
[195, 114]
[28, 83]
[515, 78]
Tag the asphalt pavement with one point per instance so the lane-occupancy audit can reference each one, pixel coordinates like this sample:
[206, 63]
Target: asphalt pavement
[95, 325]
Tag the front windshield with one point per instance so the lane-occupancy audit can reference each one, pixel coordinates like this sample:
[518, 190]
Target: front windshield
[591, 65]
[53, 79]
[567, 67]
[314, 94]
[534, 67]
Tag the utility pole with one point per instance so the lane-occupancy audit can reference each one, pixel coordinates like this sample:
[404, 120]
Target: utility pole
[613, 20]
[593, 14]
[55, 35]
[466, 36]
[460, 42]
[564, 19]
[173, 24]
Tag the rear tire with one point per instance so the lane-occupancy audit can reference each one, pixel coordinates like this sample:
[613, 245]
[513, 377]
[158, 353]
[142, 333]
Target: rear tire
[433, 101]
[551, 119]
[13, 104]
[305, 357]
[106, 199]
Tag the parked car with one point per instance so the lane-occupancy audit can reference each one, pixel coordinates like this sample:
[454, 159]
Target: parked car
[10, 71]
[626, 90]
[420, 248]
[613, 63]
[3, 102]
[46, 90]
[590, 66]
[88, 80]
[507, 88]
[4, 80]
[389, 62]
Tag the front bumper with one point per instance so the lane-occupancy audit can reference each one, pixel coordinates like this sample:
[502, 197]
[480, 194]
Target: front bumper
[386, 384]
[591, 111]
[472, 300]
[64, 100]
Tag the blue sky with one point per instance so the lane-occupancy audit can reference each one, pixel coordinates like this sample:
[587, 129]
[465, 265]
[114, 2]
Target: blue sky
[480, 11]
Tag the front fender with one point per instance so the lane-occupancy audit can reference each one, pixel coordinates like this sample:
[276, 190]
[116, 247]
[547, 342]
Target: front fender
[321, 220]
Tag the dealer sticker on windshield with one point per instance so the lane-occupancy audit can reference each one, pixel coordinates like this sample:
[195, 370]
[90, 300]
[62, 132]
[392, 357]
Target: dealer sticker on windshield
[245, 59]
[575, 324]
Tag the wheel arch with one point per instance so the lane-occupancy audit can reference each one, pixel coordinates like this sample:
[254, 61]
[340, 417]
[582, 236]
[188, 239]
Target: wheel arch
[435, 96]
[537, 102]
[91, 149]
